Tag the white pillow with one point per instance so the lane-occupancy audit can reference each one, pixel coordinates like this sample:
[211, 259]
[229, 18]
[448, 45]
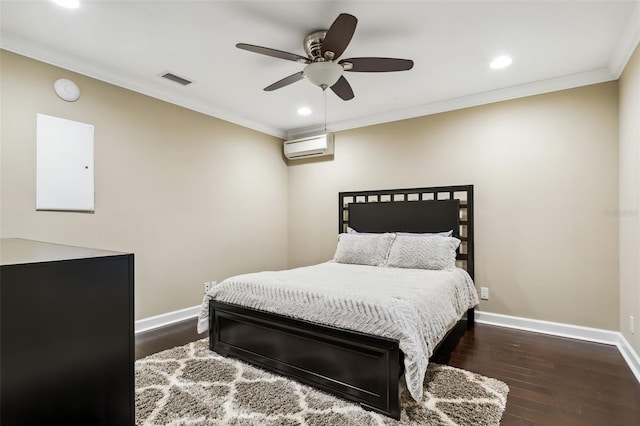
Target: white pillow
[436, 252]
[426, 234]
[350, 230]
[363, 249]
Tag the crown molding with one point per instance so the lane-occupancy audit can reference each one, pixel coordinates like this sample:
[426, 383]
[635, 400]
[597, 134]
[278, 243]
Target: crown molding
[627, 44]
[64, 60]
[109, 75]
[530, 89]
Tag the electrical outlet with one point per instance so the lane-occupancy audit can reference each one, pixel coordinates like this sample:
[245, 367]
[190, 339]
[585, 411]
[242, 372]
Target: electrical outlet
[208, 285]
[484, 293]
[632, 324]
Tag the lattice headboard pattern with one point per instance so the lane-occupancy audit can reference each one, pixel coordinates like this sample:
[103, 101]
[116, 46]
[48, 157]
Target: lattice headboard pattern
[434, 209]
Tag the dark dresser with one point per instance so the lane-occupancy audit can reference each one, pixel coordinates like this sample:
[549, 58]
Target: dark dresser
[66, 335]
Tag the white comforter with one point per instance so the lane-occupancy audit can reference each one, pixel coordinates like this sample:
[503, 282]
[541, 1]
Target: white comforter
[414, 306]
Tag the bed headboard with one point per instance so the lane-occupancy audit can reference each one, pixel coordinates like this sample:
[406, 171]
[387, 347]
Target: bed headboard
[435, 209]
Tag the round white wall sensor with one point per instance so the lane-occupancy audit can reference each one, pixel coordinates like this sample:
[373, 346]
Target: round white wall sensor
[67, 90]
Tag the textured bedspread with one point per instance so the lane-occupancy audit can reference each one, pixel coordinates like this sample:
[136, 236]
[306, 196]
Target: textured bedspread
[416, 307]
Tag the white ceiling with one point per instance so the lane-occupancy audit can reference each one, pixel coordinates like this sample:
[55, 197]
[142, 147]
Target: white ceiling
[554, 45]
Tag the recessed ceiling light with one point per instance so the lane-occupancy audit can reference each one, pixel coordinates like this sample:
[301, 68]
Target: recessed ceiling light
[304, 111]
[69, 4]
[500, 62]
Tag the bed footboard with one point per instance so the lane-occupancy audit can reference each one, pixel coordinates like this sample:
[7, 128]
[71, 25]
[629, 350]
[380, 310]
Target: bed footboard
[356, 366]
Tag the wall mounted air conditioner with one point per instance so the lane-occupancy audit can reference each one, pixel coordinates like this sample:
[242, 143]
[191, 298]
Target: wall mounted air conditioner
[312, 146]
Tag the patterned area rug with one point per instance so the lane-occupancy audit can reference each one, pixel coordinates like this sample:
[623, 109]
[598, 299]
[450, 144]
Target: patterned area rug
[190, 385]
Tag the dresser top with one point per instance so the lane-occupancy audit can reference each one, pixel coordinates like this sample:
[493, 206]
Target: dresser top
[14, 251]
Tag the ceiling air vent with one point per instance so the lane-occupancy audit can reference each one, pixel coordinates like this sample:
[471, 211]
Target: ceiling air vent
[177, 79]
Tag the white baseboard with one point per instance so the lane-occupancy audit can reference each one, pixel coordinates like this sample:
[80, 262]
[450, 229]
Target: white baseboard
[595, 335]
[168, 318]
[547, 327]
[629, 355]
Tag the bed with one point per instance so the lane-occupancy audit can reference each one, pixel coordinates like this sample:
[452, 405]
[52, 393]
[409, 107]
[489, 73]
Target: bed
[320, 348]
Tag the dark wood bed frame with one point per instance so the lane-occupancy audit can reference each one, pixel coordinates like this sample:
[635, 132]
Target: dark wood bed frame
[360, 367]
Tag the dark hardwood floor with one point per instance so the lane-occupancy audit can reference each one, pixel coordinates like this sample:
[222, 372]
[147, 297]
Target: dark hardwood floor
[159, 339]
[552, 380]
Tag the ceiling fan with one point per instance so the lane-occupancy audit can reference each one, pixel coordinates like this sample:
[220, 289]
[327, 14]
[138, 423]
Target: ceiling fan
[323, 49]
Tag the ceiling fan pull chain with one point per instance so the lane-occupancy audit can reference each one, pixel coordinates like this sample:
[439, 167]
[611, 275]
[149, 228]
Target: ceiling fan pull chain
[324, 93]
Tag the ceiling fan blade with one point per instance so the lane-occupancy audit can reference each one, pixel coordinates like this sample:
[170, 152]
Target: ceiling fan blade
[342, 88]
[339, 35]
[274, 53]
[285, 81]
[378, 64]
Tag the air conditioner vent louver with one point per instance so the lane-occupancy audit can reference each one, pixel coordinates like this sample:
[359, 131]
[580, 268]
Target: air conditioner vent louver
[313, 146]
[177, 79]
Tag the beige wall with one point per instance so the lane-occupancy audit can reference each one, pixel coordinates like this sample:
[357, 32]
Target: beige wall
[545, 170]
[201, 199]
[195, 198]
[629, 211]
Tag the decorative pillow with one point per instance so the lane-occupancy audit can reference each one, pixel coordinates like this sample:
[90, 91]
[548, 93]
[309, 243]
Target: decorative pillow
[436, 252]
[363, 249]
[426, 234]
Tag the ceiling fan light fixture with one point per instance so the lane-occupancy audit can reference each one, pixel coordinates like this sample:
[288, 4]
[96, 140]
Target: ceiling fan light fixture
[323, 74]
